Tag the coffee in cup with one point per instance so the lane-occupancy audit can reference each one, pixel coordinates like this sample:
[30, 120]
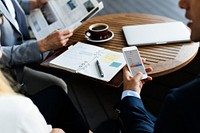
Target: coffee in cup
[97, 31]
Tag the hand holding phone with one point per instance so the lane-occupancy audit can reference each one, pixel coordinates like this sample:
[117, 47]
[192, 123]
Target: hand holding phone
[133, 61]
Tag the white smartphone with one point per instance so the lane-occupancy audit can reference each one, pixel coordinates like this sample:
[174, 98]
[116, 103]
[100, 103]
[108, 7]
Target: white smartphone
[133, 61]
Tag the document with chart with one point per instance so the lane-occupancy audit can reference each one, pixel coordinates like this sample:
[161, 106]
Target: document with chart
[85, 59]
[61, 14]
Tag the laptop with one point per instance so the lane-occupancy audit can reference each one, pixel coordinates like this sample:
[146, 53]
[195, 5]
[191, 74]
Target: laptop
[158, 33]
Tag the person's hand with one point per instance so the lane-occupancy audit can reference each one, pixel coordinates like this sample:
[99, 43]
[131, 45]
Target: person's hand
[37, 3]
[134, 83]
[1, 17]
[41, 2]
[55, 40]
[57, 130]
[1, 20]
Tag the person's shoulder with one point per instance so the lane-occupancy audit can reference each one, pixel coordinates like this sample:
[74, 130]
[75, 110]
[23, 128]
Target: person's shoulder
[189, 88]
[186, 94]
[16, 99]
[19, 113]
[13, 111]
[17, 103]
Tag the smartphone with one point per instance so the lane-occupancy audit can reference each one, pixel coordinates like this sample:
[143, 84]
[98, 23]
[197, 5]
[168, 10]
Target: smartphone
[134, 61]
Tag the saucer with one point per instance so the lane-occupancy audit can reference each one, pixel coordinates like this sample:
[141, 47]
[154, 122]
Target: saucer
[110, 36]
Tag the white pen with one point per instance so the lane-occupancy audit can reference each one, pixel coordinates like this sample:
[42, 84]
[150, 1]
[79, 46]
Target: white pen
[100, 69]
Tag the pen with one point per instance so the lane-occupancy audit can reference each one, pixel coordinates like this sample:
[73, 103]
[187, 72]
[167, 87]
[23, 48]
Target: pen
[100, 69]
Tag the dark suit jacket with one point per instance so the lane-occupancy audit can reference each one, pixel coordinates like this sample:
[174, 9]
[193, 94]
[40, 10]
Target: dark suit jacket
[180, 112]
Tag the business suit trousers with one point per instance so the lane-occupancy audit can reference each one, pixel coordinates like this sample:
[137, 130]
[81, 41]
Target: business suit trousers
[59, 111]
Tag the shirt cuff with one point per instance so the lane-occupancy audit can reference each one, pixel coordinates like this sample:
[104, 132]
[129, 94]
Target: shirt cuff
[49, 127]
[130, 93]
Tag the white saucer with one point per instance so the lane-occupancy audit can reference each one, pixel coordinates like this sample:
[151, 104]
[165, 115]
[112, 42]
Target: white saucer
[110, 36]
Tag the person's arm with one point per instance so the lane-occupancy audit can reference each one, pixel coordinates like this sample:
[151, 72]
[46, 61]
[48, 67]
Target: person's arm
[55, 40]
[1, 17]
[29, 5]
[37, 3]
[132, 112]
[33, 51]
[20, 55]
[134, 83]
[57, 130]
[17, 51]
[134, 117]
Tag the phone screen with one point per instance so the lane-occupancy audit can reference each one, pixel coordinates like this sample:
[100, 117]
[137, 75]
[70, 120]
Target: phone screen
[134, 62]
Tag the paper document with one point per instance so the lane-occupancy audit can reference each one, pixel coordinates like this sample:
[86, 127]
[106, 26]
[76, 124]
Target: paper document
[82, 58]
[61, 14]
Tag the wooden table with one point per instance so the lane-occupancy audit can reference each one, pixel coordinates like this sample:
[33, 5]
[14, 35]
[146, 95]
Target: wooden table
[163, 58]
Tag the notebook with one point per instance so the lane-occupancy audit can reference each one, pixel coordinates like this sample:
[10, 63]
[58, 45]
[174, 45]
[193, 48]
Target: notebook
[84, 59]
[158, 33]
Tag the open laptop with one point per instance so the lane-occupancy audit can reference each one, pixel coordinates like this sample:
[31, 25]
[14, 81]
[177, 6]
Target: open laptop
[158, 33]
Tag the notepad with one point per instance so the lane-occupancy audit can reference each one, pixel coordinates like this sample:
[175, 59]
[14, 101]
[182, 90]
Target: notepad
[81, 58]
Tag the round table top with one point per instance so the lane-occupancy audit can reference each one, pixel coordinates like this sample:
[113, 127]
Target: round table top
[164, 59]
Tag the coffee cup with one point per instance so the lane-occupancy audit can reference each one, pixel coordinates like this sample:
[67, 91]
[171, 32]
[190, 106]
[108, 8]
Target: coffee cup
[97, 31]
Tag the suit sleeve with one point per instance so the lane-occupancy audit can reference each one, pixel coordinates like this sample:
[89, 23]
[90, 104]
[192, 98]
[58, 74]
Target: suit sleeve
[134, 116]
[170, 119]
[27, 52]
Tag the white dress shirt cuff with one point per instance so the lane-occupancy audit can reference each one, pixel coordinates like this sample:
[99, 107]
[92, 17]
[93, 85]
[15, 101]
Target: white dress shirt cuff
[130, 93]
[50, 127]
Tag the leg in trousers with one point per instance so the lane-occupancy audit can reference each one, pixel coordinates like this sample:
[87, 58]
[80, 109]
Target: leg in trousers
[59, 111]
